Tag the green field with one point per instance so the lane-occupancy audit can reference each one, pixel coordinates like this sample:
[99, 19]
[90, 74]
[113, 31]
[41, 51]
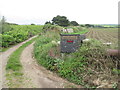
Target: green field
[105, 35]
[17, 34]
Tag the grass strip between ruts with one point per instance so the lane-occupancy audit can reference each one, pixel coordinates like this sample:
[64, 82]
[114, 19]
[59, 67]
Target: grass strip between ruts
[14, 66]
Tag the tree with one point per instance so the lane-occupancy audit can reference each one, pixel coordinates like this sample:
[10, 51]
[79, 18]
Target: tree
[74, 23]
[3, 20]
[0, 26]
[87, 25]
[32, 24]
[60, 20]
[82, 25]
[5, 27]
[48, 22]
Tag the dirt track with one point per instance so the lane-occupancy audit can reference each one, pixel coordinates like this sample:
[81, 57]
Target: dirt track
[3, 61]
[38, 76]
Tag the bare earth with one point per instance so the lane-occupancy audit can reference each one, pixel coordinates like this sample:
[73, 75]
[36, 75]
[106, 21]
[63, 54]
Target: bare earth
[38, 76]
[3, 61]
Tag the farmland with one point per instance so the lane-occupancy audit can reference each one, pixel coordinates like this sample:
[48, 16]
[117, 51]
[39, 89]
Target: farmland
[104, 35]
[89, 61]
[18, 33]
[67, 44]
[85, 67]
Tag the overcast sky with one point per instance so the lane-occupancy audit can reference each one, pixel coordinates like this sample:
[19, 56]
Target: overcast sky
[40, 11]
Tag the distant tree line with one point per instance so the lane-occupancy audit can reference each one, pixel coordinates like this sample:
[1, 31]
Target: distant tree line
[99, 26]
[11, 23]
[62, 21]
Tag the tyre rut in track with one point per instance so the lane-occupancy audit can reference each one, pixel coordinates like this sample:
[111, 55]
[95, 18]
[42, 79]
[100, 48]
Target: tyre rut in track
[3, 62]
[38, 76]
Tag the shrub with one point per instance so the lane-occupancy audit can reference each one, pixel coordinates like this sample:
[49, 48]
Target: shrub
[7, 40]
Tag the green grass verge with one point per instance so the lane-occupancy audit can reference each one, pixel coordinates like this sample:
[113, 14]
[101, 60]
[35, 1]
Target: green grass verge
[5, 49]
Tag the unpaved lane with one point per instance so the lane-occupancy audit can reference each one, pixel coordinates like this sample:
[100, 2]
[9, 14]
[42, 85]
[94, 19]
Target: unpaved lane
[38, 76]
[3, 61]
